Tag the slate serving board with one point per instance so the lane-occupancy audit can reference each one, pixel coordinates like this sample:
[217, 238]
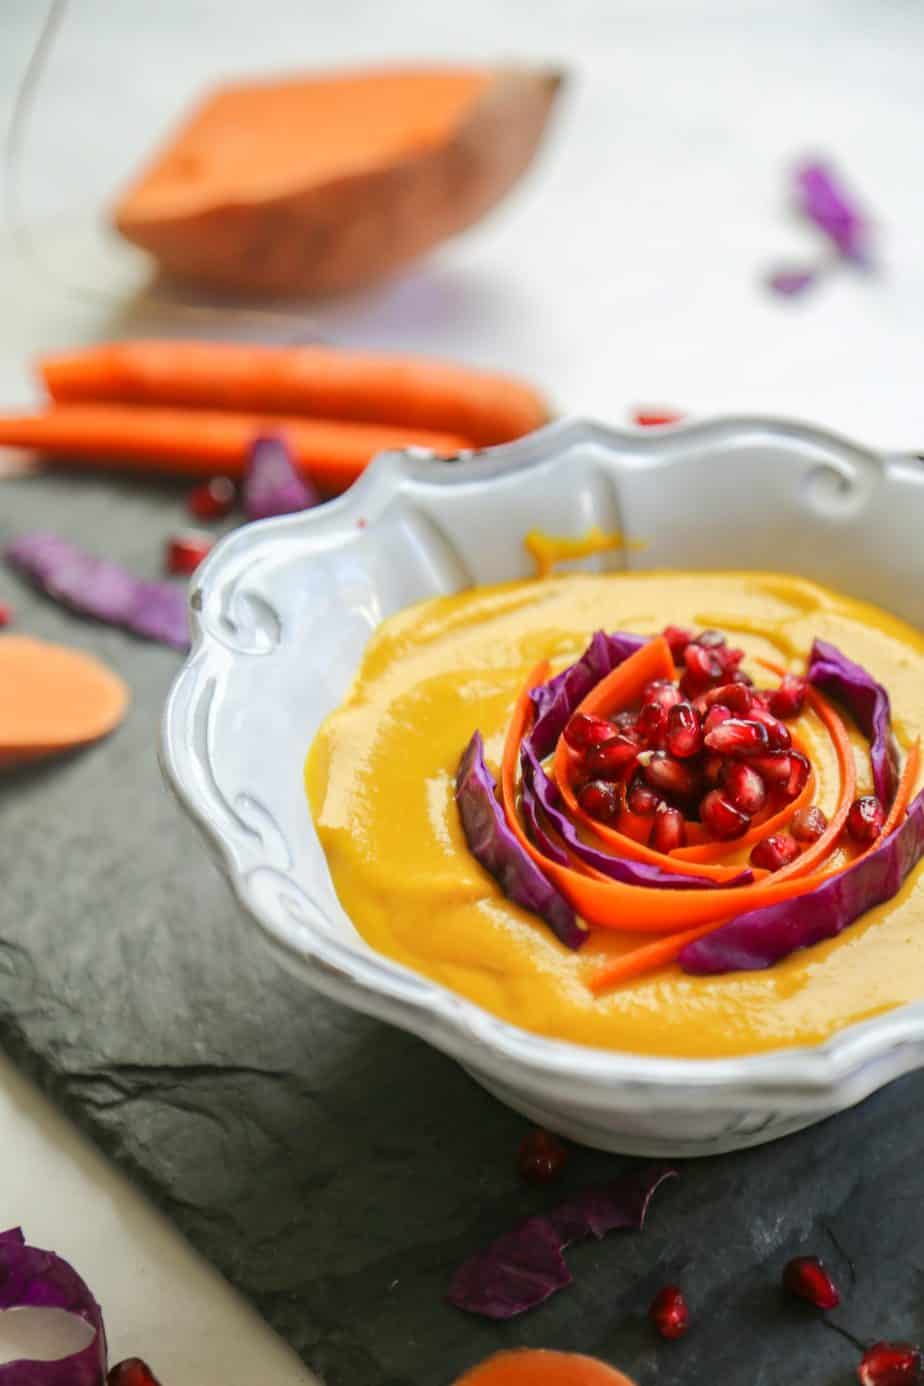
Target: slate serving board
[337, 1170]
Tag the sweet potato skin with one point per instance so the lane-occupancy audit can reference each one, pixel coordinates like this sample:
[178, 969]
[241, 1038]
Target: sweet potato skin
[342, 233]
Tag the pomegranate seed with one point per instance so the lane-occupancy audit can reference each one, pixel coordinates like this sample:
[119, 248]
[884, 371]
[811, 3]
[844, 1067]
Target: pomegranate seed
[778, 737]
[6, 614]
[721, 817]
[806, 1278]
[729, 659]
[798, 774]
[774, 852]
[709, 639]
[716, 714]
[609, 760]
[712, 768]
[735, 696]
[625, 721]
[600, 799]
[684, 731]
[678, 639]
[744, 787]
[789, 699]
[652, 723]
[865, 819]
[739, 676]
[541, 1157]
[669, 1313]
[184, 552]
[131, 1372]
[669, 830]
[702, 669]
[890, 1364]
[762, 696]
[808, 824]
[213, 500]
[641, 798]
[736, 737]
[775, 768]
[655, 418]
[583, 732]
[662, 692]
[671, 776]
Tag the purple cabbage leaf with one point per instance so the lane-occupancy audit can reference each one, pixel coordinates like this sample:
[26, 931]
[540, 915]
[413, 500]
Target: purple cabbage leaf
[272, 483]
[866, 701]
[35, 1279]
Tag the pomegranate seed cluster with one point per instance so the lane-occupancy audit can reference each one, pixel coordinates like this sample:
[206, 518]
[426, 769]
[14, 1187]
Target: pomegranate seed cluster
[705, 748]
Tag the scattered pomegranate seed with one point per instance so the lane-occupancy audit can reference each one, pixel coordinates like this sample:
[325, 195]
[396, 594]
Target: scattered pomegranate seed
[184, 552]
[702, 670]
[721, 817]
[610, 759]
[131, 1372]
[669, 1312]
[807, 1278]
[798, 774]
[6, 614]
[684, 731]
[775, 768]
[541, 1157]
[738, 737]
[866, 818]
[641, 799]
[710, 639]
[661, 691]
[735, 696]
[652, 723]
[744, 787]
[774, 852]
[890, 1364]
[669, 831]
[778, 737]
[712, 768]
[600, 799]
[789, 699]
[716, 714]
[671, 776]
[678, 639]
[583, 732]
[213, 500]
[653, 418]
[808, 824]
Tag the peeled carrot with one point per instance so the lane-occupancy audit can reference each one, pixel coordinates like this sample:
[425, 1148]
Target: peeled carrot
[408, 392]
[542, 1367]
[53, 699]
[610, 904]
[903, 793]
[200, 442]
[818, 851]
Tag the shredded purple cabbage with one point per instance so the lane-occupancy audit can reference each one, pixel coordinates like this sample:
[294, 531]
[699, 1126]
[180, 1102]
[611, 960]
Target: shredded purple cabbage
[272, 484]
[790, 283]
[31, 1278]
[554, 702]
[104, 590]
[494, 846]
[538, 787]
[762, 937]
[826, 202]
[867, 702]
[525, 1266]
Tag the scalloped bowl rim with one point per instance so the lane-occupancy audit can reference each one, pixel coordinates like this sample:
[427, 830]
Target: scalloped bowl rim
[811, 1073]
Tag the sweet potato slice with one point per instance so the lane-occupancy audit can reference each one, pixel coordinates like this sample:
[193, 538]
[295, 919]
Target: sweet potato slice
[53, 699]
[321, 184]
[540, 1367]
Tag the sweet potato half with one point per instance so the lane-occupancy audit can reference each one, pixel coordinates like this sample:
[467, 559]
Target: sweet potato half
[321, 184]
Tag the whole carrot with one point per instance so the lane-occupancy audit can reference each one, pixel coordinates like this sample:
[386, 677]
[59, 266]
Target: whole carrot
[200, 442]
[324, 382]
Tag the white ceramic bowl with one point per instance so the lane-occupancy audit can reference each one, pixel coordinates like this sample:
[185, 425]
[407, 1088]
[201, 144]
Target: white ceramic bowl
[281, 611]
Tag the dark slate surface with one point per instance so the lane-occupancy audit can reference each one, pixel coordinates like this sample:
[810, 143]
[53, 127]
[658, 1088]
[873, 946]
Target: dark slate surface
[337, 1170]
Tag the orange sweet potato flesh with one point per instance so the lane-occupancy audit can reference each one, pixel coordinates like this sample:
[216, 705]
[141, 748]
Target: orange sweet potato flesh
[53, 699]
[321, 184]
[542, 1367]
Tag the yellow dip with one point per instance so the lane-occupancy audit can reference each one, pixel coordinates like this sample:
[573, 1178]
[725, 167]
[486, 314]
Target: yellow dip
[380, 783]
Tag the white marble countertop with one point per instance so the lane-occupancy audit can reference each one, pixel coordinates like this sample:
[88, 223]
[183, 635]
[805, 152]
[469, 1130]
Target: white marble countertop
[626, 270]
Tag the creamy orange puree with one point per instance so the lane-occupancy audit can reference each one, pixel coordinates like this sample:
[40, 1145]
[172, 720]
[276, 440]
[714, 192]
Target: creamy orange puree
[380, 783]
